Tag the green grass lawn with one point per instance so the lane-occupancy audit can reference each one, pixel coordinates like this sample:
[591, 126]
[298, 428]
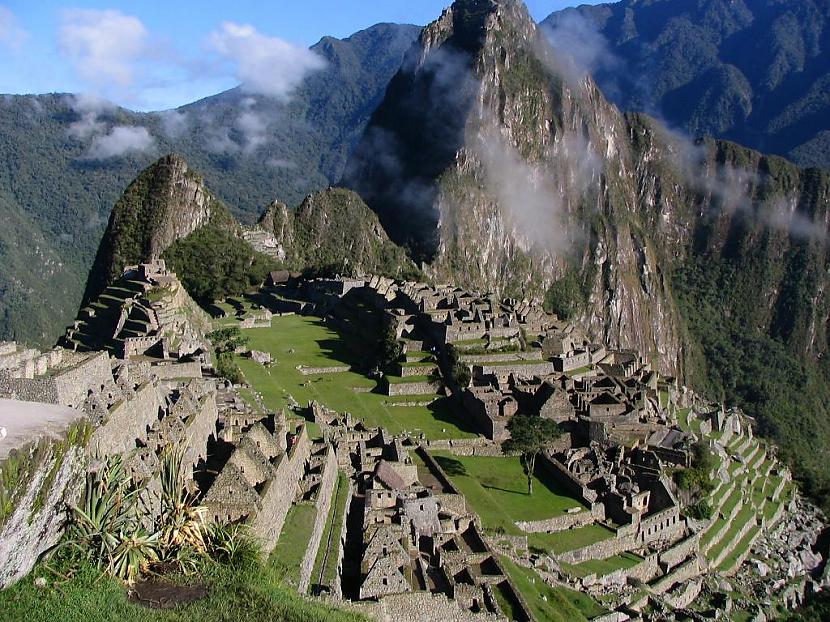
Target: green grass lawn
[496, 488]
[330, 542]
[291, 547]
[548, 603]
[243, 594]
[570, 539]
[301, 340]
[601, 567]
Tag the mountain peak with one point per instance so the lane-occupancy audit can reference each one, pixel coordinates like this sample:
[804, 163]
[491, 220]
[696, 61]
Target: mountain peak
[165, 203]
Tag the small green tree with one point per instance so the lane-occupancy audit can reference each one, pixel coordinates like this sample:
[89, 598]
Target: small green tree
[391, 348]
[529, 436]
[459, 372]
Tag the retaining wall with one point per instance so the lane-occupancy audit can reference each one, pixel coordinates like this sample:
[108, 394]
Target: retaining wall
[278, 493]
[323, 505]
[337, 588]
[566, 521]
[412, 388]
[320, 371]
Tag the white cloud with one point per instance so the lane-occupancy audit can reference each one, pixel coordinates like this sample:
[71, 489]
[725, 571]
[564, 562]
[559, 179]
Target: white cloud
[89, 106]
[11, 34]
[252, 125]
[173, 123]
[103, 46]
[264, 65]
[120, 141]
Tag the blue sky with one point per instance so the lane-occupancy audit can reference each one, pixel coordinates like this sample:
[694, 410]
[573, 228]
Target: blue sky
[151, 55]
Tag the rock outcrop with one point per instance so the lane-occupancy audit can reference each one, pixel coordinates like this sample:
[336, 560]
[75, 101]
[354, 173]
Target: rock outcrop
[42, 466]
[166, 203]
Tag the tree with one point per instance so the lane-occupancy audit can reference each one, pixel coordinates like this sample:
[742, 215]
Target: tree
[391, 348]
[529, 436]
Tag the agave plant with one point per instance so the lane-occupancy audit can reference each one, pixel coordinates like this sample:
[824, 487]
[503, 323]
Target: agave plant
[105, 525]
[133, 555]
[182, 524]
[233, 544]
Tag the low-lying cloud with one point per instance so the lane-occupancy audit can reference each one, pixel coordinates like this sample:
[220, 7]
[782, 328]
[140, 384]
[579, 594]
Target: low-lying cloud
[120, 141]
[264, 65]
[580, 49]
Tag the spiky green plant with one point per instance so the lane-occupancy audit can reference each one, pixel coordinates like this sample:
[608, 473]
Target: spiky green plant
[182, 524]
[232, 544]
[105, 526]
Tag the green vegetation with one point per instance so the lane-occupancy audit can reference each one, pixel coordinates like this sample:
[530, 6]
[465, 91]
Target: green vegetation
[567, 296]
[496, 488]
[55, 200]
[325, 566]
[225, 341]
[602, 567]
[818, 610]
[214, 263]
[334, 232]
[306, 341]
[242, 591]
[713, 89]
[697, 479]
[291, 547]
[548, 603]
[459, 372]
[529, 436]
[734, 362]
[391, 348]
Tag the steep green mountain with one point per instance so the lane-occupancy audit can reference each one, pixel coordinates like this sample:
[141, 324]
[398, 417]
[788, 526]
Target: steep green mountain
[166, 203]
[56, 188]
[504, 168]
[334, 231]
[753, 71]
[168, 212]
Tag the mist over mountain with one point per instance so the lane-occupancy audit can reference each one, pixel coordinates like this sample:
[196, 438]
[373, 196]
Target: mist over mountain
[68, 158]
[497, 160]
[753, 71]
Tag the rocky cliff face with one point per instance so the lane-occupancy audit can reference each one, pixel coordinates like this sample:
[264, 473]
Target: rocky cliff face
[504, 168]
[537, 175]
[166, 203]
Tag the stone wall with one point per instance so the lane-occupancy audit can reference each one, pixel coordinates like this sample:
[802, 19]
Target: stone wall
[51, 475]
[278, 494]
[684, 549]
[127, 421]
[600, 550]
[436, 469]
[685, 594]
[688, 570]
[323, 505]
[521, 368]
[337, 588]
[412, 388]
[501, 357]
[177, 370]
[566, 521]
[424, 607]
[319, 371]
[200, 427]
[561, 474]
[72, 386]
